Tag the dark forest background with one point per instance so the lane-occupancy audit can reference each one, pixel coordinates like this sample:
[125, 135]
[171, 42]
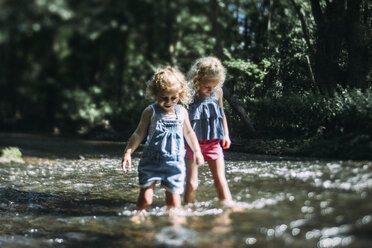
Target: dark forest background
[299, 72]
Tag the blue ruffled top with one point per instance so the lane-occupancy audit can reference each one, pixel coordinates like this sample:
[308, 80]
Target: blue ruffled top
[206, 118]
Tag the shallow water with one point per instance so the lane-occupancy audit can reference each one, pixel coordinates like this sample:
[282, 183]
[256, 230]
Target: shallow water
[75, 198]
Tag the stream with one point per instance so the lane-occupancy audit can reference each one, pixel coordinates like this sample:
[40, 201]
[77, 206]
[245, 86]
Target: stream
[73, 193]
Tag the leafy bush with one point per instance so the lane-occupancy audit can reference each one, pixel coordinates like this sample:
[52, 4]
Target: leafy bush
[308, 114]
[11, 154]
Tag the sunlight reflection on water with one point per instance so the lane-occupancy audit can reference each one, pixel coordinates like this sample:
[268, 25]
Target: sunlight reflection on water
[46, 202]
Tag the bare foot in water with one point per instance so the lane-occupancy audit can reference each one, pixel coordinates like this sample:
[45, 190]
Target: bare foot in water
[232, 205]
[139, 217]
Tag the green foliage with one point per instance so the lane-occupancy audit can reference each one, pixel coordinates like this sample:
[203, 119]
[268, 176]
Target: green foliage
[257, 71]
[80, 106]
[247, 77]
[81, 63]
[349, 111]
[11, 154]
[73, 65]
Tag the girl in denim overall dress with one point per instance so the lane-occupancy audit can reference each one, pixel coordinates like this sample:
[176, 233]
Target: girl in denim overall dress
[166, 124]
[210, 125]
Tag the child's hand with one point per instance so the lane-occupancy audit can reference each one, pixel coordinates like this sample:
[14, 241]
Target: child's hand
[198, 158]
[226, 142]
[127, 159]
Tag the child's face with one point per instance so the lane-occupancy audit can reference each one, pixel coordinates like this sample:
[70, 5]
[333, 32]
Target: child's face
[167, 100]
[207, 86]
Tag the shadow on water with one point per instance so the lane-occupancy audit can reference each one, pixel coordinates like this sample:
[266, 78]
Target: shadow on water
[81, 220]
[58, 147]
[33, 219]
[64, 204]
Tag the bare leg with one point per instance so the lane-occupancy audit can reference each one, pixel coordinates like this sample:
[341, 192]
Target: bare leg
[191, 181]
[217, 168]
[172, 200]
[145, 197]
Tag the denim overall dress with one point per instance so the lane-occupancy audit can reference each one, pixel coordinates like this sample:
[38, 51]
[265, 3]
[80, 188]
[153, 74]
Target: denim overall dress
[163, 155]
[206, 118]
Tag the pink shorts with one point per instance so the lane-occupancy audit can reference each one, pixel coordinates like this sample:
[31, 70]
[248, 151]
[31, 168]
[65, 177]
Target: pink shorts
[211, 150]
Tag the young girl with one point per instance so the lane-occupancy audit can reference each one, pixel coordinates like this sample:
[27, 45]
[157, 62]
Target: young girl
[166, 124]
[210, 125]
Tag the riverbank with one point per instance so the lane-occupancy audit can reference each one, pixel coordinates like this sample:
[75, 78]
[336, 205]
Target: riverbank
[348, 147]
[44, 145]
[51, 146]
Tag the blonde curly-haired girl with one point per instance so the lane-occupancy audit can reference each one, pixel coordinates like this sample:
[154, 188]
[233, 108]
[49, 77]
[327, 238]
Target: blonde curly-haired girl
[166, 124]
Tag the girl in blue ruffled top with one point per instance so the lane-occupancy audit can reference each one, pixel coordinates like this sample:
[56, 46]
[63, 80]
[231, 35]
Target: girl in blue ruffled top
[166, 125]
[210, 125]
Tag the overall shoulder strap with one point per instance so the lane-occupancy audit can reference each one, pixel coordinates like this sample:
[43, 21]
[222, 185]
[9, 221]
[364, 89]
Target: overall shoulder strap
[157, 112]
[177, 110]
[179, 113]
[214, 95]
[155, 107]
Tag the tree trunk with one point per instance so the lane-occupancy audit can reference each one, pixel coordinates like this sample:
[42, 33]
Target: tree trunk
[237, 107]
[168, 31]
[269, 24]
[216, 30]
[305, 28]
[150, 32]
[330, 35]
[357, 47]
[246, 34]
[310, 48]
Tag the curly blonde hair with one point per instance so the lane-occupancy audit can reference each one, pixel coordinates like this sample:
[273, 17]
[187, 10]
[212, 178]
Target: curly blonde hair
[169, 79]
[206, 68]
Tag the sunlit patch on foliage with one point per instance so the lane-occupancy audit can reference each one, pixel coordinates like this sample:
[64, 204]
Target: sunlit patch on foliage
[81, 105]
[11, 154]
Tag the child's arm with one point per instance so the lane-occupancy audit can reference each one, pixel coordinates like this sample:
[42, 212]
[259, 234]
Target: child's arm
[136, 138]
[226, 141]
[191, 139]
